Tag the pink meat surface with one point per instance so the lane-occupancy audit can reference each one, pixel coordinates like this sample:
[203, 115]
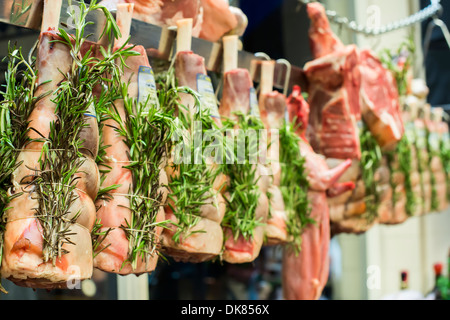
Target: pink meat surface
[23, 260]
[346, 85]
[217, 19]
[212, 19]
[304, 276]
[236, 97]
[113, 253]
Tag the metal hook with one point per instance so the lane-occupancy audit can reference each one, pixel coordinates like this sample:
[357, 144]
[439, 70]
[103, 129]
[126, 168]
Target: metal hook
[262, 55]
[265, 57]
[287, 76]
[436, 22]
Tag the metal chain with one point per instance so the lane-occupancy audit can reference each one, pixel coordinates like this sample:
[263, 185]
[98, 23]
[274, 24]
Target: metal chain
[431, 10]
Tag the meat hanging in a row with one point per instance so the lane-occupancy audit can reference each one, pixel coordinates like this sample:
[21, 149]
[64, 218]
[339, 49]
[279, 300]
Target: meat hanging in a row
[120, 165]
[96, 183]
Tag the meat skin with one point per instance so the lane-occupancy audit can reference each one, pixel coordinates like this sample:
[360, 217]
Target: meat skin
[212, 19]
[24, 261]
[203, 241]
[347, 84]
[304, 275]
[113, 254]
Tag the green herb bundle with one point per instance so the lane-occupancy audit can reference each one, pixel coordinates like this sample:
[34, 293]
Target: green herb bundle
[371, 158]
[404, 151]
[294, 186]
[432, 151]
[147, 131]
[240, 215]
[399, 62]
[191, 185]
[55, 182]
[18, 100]
[444, 154]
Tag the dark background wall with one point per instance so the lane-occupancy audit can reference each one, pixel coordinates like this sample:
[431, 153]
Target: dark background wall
[437, 61]
[278, 28]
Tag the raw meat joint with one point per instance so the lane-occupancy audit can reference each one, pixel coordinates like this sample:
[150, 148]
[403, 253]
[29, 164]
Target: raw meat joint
[194, 233]
[212, 19]
[355, 109]
[131, 213]
[47, 238]
[113, 254]
[347, 85]
[305, 274]
[246, 191]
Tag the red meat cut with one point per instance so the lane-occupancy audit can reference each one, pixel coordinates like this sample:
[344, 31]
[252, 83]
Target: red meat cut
[347, 85]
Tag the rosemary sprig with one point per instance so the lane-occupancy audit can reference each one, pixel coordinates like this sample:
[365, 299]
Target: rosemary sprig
[18, 10]
[192, 185]
[370, 162]
[432, 151]
[399, 62]
[17, 102]
[147, 133]
[294, 186]
[55, 182]
[240, 215]
[404, 152]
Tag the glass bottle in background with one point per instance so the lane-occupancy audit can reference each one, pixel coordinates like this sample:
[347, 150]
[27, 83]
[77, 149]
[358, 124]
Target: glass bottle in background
[446, 296]
[404, 280]
[436, 292]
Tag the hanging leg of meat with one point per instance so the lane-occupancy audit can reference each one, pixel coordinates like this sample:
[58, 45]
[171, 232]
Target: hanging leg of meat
[305, 276]
[236, 97]
[23, 261]
[54, 62]
[204, 241]
[323, 41]
[218, 19]
[113, 252]
[272, 110]
[164, 12]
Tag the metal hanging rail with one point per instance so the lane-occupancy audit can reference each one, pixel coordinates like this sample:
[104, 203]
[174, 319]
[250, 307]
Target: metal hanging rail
[432, 10]
[158, 41]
